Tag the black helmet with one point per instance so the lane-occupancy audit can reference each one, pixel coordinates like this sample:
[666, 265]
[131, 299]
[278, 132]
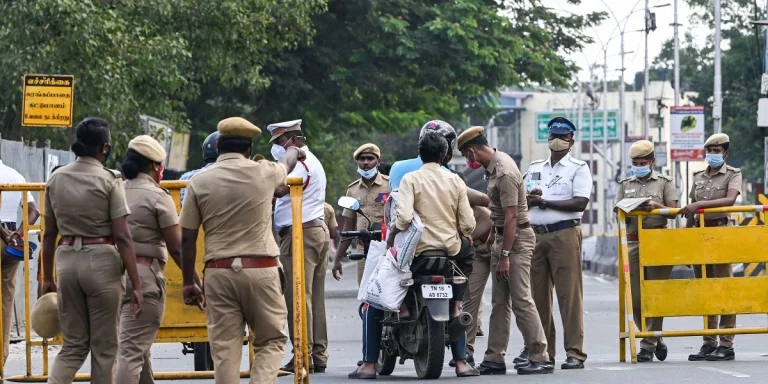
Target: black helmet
[210, 152]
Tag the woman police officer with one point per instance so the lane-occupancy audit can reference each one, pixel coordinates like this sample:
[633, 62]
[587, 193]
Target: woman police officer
[154, 227]
[85, 204]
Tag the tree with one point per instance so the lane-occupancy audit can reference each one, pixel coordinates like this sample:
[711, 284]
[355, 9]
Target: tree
[741, 71]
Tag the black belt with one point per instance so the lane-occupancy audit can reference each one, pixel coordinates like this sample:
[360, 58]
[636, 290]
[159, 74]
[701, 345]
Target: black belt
[500, 230]
[559, 226]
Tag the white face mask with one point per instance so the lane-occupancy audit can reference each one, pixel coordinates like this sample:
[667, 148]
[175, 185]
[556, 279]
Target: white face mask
[277, 151]
[369, 174]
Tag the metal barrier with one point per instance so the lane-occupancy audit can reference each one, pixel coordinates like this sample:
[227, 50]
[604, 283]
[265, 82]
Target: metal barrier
[300, 346]
[691, 297]
[181, 323]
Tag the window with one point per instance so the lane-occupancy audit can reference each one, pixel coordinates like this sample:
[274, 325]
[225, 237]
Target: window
[588, 215]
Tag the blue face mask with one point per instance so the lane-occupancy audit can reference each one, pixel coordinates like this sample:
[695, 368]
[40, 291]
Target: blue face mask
[715, 160]
[641, 171]
[369, 174]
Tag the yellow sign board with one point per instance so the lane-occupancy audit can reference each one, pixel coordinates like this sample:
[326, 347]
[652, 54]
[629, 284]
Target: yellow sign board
[48, 100]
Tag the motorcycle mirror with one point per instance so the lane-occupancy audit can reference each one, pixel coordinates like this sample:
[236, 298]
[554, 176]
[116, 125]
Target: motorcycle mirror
[349, 203]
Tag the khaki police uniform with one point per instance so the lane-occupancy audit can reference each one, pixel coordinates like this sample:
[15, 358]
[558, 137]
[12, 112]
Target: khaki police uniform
[372, 199]
[83, 198]
[232, 200]
[315, 246]
[506, 189]
[661, 189]
[330, 218]
[481, 270]
[706, 187]
[152, 210]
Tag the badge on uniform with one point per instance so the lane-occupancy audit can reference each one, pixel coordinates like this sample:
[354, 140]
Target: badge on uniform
[536, 176]
[382, 197]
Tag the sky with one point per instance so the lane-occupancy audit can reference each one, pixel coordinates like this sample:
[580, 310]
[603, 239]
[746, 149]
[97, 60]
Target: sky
[633, 41]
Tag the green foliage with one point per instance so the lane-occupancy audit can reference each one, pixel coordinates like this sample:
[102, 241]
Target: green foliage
[741, 71]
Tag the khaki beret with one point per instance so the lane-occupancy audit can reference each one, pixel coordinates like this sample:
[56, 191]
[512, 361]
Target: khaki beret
[278, 129]
[237, 126]
[148, 147]
[717, 139]
[469, 134]
[640, 149]
[45, 316]
[367, 148]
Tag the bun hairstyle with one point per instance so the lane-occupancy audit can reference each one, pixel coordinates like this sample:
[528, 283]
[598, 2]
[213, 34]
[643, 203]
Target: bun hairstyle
[91, 135]
[134, 164]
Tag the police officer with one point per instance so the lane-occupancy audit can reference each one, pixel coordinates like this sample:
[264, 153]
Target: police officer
[716, 186]
[329, 216]
[371, 190]
[510, 257]
[154, 227]
[210, 154]
[646, 182]
[85, 204]
[559, 188]
[242, 279]
[315, 239]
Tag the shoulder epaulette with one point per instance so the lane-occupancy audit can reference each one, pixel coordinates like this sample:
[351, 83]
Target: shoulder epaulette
[737, 170]
[626, 179]
[166, 191]
[665, 177]
[576, 161]
[385, 177]
[538, 161]
[699, 171]
[357, 181]
[114, 172]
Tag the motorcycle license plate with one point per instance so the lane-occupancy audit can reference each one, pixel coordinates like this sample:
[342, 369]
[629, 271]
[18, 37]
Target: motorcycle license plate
[437, 291]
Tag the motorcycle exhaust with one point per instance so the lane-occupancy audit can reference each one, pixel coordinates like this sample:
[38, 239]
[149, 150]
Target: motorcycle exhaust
[458, 325]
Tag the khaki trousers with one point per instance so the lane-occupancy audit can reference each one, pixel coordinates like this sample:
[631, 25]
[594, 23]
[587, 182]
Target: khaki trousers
[515, 295]
[134, 363]
[315, 267]
[726, 321]
[557, 263]
[9, 271]
[238, 297]
[481, 269]
[90, 291]
[651, 273]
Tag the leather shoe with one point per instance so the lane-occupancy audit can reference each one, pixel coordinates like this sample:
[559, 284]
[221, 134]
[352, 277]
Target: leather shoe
[644, 356]
[317, 369]
[721, 354]
[572, 363]
[661, 350]
[291, 368]
[523, 357]
[534, 368]
[702, 354]
[489, 368]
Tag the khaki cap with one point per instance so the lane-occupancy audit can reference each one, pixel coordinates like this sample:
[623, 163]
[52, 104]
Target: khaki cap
[148, 147]
[640, 149]
[717, 139]
[278, 129]
[367, 148]
[45, 316]
[237, 126]
[469, 134]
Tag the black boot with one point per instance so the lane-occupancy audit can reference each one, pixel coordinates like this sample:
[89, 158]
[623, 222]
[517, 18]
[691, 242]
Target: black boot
[534, 368]
[721, 354]
[661, 350]
[702, 354]
[489, 368]
[644, 356]
[572, 363]
[523, 357]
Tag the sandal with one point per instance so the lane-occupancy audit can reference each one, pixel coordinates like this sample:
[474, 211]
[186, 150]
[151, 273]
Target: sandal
[361, 376]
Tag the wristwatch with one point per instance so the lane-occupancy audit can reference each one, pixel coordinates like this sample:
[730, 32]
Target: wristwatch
[543, 205]
[505, 253]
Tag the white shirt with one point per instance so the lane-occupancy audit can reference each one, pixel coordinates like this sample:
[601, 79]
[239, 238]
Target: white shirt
[567, 179]
[11, 201]
[313, 201]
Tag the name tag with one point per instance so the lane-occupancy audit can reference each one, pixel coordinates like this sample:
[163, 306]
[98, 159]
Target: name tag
[629, 191]
[536, 176]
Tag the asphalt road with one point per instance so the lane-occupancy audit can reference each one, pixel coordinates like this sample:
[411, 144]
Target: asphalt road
[602, 366]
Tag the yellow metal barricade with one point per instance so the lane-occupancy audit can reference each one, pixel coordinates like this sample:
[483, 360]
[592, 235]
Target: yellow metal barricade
[691, 297]
[181, 323]
[300, 346]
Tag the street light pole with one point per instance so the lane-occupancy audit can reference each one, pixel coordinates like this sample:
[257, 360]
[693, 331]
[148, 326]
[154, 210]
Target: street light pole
[622, 130]
[717, 105]
[605, 140]
[646, 116]
[592, 216]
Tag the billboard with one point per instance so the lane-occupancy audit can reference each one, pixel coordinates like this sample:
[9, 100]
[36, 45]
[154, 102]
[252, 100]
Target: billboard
[687, 133]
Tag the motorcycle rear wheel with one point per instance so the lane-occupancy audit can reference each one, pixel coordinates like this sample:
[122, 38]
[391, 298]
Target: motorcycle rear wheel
[431, 357]
[386, 364]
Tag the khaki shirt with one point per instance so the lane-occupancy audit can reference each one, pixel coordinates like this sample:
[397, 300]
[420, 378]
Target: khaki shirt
[659, 188]
[152, 210]
[440, 199]
[233, 200]
[506, 189]
[84, 197]
[371, 200]
[706, 188]
[330, 217]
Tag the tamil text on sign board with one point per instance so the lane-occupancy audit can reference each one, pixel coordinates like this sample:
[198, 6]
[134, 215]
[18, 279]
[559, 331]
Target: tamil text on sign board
[687, 133]
[591, 124]
[48, 100]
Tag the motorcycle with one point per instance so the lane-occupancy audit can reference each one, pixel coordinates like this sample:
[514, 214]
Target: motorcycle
[424, 335]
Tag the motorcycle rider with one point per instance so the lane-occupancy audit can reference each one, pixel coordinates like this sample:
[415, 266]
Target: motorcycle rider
[440, 199]
[210, 154]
